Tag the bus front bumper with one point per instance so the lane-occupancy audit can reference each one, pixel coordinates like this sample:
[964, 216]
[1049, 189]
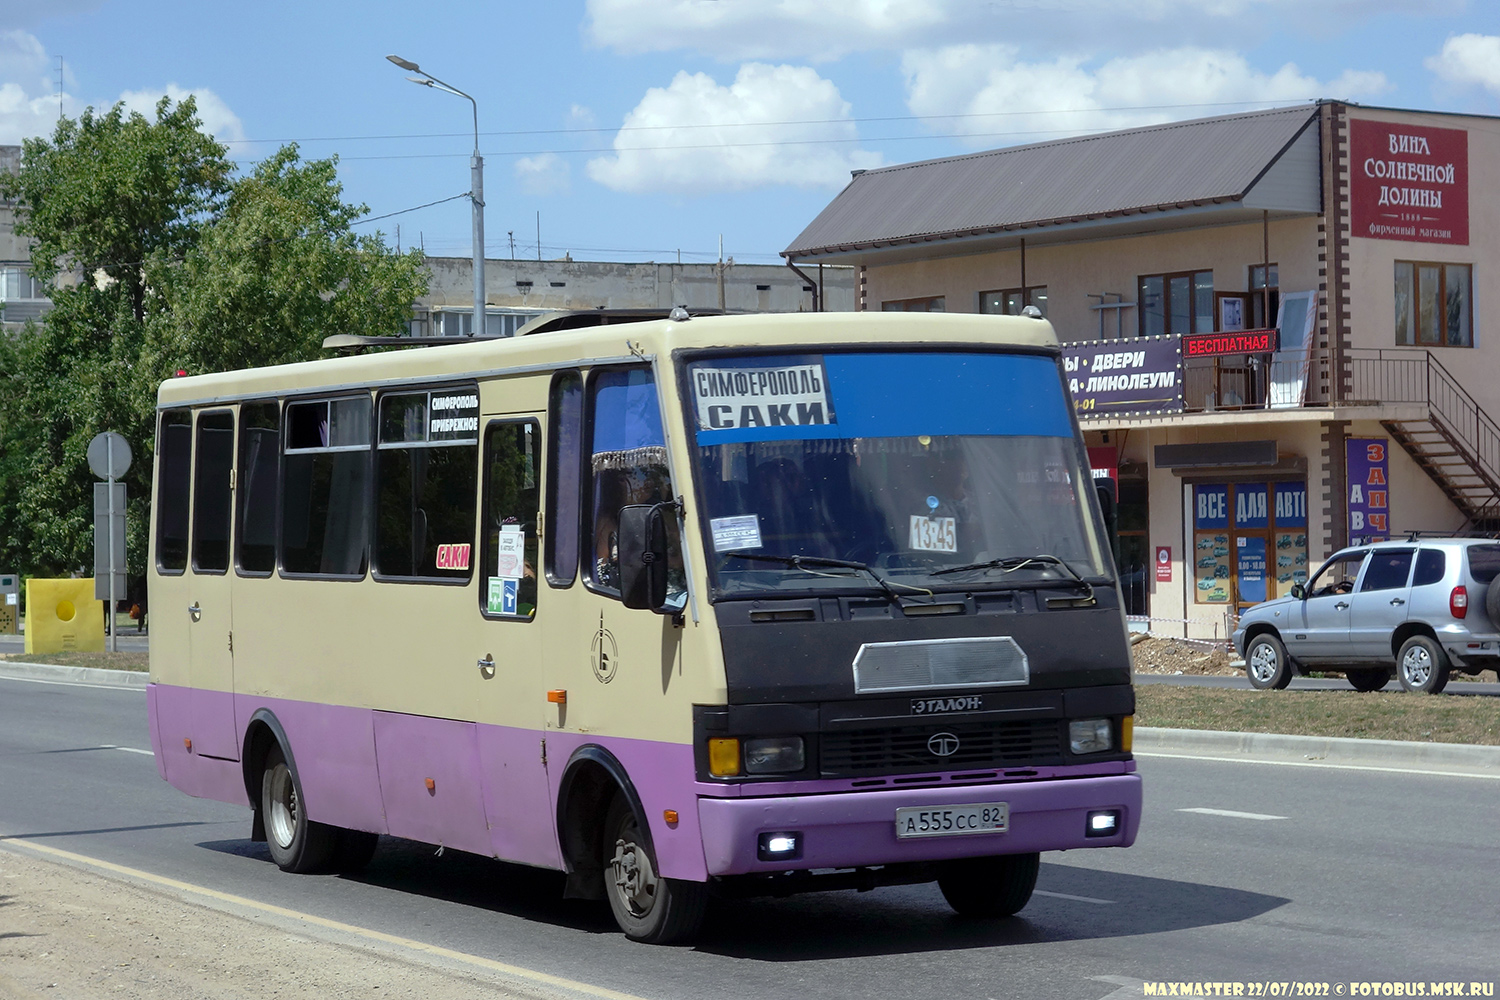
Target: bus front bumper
[858, 829]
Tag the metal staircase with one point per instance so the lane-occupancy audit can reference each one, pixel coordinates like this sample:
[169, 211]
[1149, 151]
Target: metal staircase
[1457, 443]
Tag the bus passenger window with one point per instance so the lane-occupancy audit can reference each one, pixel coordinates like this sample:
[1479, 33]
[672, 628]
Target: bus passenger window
[564, 478]
[211, 494]
[627, 465]
[174, 447]
[325, 504]
[427, 468]
[260, 450]
[508, 563]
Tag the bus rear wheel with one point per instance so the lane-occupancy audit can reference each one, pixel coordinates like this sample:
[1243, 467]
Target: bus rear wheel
[647, 907]
[297, 844]
[989, 887]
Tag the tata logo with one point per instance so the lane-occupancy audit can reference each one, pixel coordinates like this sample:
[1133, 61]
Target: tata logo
[943, 744]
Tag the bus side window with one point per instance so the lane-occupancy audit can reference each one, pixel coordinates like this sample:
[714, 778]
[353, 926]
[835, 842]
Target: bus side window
[564, 478]
[211, 494]
[325, 499]
[627, 465]
[174, 448]
[508, 564]
[258, 481]
[426, 465]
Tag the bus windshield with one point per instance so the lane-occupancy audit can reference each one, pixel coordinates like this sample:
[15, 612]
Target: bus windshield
[937, 471]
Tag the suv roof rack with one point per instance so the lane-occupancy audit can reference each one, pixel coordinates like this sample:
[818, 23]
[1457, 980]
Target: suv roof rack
[1416, 533]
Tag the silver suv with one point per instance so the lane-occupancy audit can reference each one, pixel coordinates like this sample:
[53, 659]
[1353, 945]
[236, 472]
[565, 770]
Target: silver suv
[1423, 607]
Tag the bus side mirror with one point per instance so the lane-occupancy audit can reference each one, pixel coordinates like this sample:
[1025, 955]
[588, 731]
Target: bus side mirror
[643, 557]
[1298, 591]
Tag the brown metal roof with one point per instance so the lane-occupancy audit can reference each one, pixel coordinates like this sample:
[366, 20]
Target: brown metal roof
[1159, 166]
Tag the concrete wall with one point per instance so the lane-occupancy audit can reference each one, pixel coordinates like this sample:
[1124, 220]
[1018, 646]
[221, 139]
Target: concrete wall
[548, 285]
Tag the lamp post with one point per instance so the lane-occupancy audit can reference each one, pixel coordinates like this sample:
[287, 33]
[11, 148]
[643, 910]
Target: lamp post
[476, 182]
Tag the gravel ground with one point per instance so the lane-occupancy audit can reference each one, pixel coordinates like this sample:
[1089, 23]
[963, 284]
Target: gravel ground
[67, 933]
[1155, 655]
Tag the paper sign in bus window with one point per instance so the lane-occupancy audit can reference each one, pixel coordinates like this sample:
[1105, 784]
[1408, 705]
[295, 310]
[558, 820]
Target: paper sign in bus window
[784, 396]
[739, 532]
[933, 534]
[503, 595]
[510, 555]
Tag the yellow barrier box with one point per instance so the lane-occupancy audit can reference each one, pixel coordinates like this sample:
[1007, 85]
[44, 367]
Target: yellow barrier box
[62, 616]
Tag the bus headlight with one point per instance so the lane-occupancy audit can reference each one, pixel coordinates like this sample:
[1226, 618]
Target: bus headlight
[776, 755]
[1090, 736]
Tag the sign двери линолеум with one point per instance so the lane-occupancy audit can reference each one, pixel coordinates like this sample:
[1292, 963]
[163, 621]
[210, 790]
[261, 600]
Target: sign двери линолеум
[1408, 182]
[1133, 375]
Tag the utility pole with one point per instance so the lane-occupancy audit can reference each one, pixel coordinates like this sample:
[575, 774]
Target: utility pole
[720, 269]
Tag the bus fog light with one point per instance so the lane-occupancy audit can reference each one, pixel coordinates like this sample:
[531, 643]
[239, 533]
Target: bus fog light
[778, 755]
[1090, 736]
[723, 757]
[1105, 823]
[781, 846]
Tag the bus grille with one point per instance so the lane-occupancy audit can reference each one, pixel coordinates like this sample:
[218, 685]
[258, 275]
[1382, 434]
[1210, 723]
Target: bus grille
[904, 749]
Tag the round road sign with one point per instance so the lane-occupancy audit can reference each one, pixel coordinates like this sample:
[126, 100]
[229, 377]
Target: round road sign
[109, 455]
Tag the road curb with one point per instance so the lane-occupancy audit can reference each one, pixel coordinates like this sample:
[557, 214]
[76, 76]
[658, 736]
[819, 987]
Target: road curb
[77, 675]
[1324, 749]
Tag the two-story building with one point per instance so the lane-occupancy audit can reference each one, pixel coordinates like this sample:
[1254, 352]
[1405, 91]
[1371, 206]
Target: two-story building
[21, 296]
[1276, 323]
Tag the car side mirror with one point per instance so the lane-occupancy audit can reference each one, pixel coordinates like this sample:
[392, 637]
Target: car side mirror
[1298, 591]
[643, 557]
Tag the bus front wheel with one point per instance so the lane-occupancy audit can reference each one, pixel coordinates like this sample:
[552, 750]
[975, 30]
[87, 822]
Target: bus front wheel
[989, 887]
[647, 907]
[297, 844]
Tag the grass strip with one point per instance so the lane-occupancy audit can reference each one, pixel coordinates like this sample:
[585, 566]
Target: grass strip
[1378, 715]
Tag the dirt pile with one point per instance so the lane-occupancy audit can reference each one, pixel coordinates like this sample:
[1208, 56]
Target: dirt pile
[1158, 655]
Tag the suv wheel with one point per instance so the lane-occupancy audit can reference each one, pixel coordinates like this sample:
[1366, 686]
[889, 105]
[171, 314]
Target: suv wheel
[1422, 665]
[1266, 663]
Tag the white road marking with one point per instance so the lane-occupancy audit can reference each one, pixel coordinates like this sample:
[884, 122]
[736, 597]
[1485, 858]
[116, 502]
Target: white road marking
[1312, 763]
[445, 954]
[108, 746]
[1127, 987]
[58, 683]
[1077, 899]
[1231, 813]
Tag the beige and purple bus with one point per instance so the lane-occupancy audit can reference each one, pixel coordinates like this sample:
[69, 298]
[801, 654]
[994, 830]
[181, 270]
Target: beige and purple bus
[685, 606]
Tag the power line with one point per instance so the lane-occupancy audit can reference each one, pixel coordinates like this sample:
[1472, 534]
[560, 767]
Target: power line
[789, 122]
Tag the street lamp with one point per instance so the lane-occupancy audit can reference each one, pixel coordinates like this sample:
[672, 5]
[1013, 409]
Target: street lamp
[476, 182]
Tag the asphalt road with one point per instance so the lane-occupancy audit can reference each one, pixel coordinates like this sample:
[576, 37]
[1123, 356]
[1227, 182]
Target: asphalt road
[1248, 872]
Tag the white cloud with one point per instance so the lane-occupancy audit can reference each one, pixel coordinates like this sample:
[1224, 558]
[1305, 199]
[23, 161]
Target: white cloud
[1019, 101]
[544, 174]
[28, 89]
[772, 125]
[218, 121]
[580, 117]
[1469, 61]
[798, 29]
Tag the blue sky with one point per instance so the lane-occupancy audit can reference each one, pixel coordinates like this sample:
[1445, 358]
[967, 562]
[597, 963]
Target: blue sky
[640, 128]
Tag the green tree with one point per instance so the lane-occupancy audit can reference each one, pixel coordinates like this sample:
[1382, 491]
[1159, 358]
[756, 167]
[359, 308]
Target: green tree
[157, 259]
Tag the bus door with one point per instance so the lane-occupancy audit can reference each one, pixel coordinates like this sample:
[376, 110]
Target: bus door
[619, 667]
[507, 678]
[210, 624]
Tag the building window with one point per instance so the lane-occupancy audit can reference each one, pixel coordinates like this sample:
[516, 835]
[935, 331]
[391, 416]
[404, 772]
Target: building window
[1434, 304]
[1176, 303]
[451, 323]
[1010, 301]
[934, 304]
[1262, 318]
[17, 283]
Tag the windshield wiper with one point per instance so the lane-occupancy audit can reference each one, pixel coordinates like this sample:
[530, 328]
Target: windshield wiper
[799, 562]
[1012, 563]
